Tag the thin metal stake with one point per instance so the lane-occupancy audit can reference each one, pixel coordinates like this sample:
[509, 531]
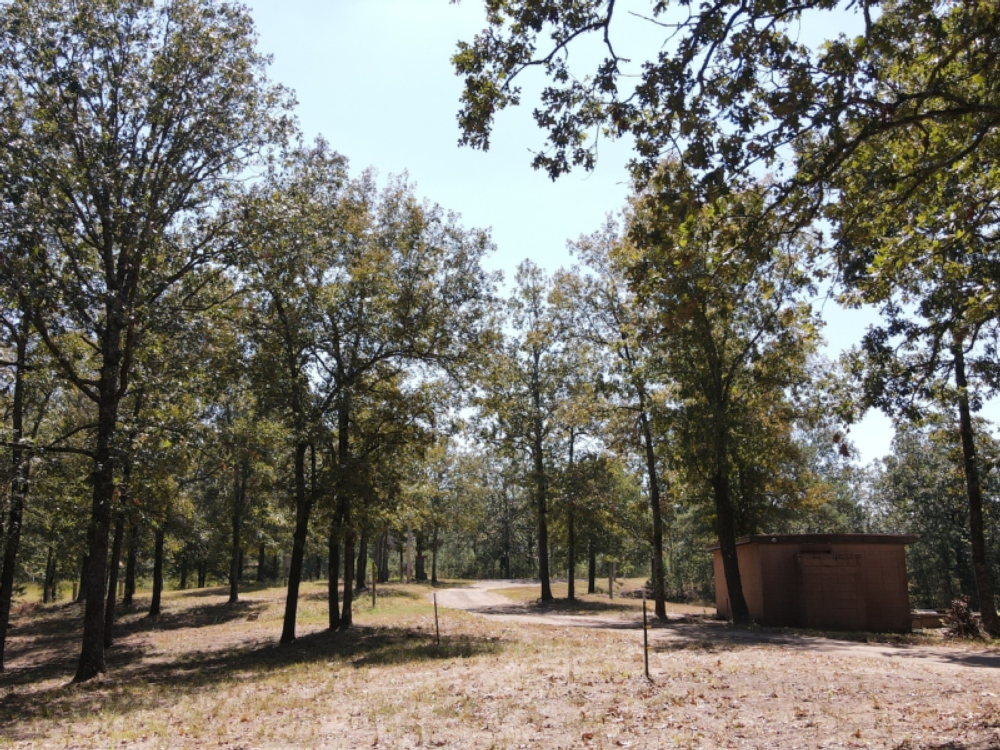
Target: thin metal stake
[645, 635]
[437, 627]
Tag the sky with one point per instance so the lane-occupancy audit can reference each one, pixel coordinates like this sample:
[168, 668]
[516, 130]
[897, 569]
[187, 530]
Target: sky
[374, 78]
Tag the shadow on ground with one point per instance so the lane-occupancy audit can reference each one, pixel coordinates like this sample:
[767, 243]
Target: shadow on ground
[136, 683]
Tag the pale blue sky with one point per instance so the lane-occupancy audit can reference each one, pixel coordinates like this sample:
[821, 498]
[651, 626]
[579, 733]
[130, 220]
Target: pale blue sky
[374, 78]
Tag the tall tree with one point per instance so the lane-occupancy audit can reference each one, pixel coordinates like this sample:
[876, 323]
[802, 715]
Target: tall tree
[608, 316]
[926, 255]
[139, 111]
[731, 329]
[524, 392]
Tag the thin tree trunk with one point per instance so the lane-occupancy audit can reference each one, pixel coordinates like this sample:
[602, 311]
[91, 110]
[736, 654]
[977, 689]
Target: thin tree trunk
[541, 501]
[261, 562]
[239, 498]
[659, 588]
[18, 490]
[130, 564]
[980, 563]
[591, 567]
[116, 558]
[302, 508]
[347, 522]
[346, 615]
[50, 576]
[183, 583]
[333, 562]
[362, 567]
[571, 532]
[154, 605]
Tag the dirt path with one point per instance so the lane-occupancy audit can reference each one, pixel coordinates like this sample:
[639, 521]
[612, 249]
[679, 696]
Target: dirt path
[686, 632]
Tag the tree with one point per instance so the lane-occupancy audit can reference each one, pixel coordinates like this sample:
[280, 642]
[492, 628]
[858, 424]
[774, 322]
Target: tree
[608, 317]
[926, 256]
[732, 84]
[920, 489]
[129, 116]
[525, 391]
[731, 332]
[364, 288]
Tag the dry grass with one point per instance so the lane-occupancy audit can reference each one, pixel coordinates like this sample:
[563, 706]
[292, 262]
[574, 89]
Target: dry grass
[204, 675]
[628, 598]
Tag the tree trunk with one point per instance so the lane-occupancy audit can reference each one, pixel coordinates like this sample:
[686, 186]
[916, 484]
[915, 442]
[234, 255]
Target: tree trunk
[154, 605]
[347, 522]
[302, 508]
[659, 587]
[109, 395]
[81, 594]
[130, 564]
[383, 560]
[333, 562]
[116, 558]
[183, 573]
[980, 563]
[50, 576]
[239, 498]
[591, 567]
[346, 615]
[18, 491]
[362, 567]
[202, 573]
[261, 562]
[727, 546]
[541, 502]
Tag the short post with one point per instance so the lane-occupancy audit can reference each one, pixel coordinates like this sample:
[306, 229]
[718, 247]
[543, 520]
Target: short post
[437, 626]
[645, 636]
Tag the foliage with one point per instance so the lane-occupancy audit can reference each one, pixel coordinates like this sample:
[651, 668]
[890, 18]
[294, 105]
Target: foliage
[960, 622]
[730, 85]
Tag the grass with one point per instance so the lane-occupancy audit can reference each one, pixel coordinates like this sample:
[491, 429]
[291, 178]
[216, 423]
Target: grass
[206, 674]
[628, 598]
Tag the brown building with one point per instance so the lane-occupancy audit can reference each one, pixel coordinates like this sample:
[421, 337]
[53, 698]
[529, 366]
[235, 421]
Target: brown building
[823, 581]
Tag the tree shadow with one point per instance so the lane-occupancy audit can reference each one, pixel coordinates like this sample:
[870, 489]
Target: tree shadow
[141, 684]
[190, 617]
[52, 640]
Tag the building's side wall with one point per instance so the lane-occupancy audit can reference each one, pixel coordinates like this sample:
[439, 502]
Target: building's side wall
[830, 589]
[750, 576]
[885, 585]
[773, 584]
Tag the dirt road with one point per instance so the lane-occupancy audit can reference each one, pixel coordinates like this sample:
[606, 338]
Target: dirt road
[481, 598]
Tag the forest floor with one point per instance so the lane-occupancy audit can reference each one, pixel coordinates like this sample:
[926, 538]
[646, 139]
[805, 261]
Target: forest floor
[509, 673]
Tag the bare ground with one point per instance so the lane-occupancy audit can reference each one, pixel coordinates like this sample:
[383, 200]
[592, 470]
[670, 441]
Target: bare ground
[507, 674]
